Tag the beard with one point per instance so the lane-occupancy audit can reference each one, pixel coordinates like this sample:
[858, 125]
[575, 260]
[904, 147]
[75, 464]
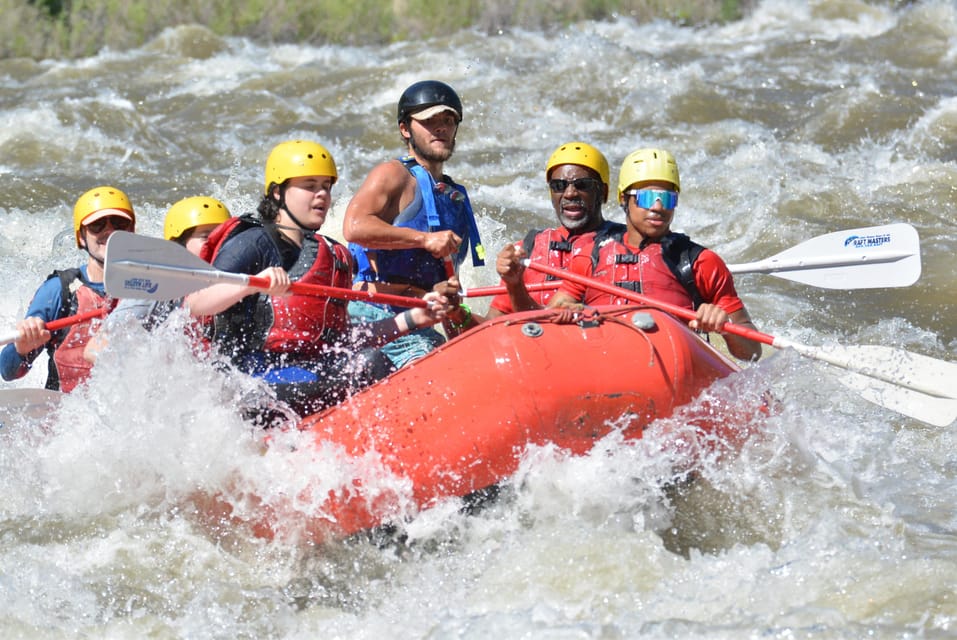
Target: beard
[578, 224]
[425, 152]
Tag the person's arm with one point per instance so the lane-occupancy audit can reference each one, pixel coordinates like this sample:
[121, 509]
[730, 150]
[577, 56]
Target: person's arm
[388, 329]
[565, 300]
[459, 316]
[510, 268]
[372, 210]
[17, 357]
[94, 346]
[722, 304]
[571, 295]
[711, 317]
[252, 252]
[739, 347]
[219, 297]
[127, 310]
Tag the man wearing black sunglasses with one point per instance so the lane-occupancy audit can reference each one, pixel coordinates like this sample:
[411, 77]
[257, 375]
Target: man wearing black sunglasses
[70, 293]
[577, 177]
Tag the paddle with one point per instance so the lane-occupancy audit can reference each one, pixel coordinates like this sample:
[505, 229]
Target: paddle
[27, 403]
[450, 329]
[477, 292]
[865, 258]
[54, 325]
[915, 385]
[143, 267]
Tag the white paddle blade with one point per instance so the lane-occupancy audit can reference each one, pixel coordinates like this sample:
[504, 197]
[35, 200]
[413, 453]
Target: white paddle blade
[31, 404]
[911, 370]
[149, 268]
[865, 258]
[917, 372]
[934, 410]
[915, 385]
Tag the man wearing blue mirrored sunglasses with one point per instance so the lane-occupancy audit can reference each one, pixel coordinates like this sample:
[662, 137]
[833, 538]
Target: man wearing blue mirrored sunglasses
[646, 257]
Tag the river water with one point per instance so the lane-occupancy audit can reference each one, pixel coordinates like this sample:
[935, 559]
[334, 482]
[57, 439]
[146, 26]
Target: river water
[836, 519]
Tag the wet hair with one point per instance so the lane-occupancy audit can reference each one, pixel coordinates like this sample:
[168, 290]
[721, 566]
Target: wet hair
[269, 207]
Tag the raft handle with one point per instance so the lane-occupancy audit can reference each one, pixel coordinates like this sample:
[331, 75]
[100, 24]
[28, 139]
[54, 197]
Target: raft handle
[644, 321]
[532, 329]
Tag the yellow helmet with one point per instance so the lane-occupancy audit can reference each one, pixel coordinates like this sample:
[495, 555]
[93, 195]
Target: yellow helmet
[297, 158]
[189, 213]
[645, 165]
[582, 154]
[100, 199]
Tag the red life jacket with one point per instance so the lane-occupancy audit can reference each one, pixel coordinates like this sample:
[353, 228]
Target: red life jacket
[660, 270]
[298, 324]
[71, 367]
[303, 324]
[554, 248]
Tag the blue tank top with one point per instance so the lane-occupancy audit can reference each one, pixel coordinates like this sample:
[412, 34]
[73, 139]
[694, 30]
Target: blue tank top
[437, 206]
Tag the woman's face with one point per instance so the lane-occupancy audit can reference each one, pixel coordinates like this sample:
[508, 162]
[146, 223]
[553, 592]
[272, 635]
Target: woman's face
[309, 199]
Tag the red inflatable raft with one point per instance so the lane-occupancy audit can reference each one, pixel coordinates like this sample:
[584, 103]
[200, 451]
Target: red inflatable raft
[459, 419]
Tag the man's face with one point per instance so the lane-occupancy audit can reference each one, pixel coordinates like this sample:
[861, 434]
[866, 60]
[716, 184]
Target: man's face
[94, 234]
[577, 195]
[654, 222]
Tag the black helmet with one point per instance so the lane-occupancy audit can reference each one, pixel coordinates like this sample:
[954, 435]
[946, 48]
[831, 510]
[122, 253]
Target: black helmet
[428, 93]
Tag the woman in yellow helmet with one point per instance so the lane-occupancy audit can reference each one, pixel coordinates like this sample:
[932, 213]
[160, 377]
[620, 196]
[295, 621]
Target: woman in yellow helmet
[190, 221]
[69, 292]
[303, 345]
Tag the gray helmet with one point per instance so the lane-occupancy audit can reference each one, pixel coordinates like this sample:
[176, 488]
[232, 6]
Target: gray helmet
[425, 94]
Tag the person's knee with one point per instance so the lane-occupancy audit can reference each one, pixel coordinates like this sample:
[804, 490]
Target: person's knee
[373, 365]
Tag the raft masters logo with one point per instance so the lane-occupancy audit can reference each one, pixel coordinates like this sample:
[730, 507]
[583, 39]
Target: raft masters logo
[867, 242]
[140, 284]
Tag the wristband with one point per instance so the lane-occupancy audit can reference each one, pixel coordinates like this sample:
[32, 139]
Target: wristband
[466, 319]
[409, 322]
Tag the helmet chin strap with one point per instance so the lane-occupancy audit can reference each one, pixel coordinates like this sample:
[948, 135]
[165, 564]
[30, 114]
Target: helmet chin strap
[304, 230]
[92, 257]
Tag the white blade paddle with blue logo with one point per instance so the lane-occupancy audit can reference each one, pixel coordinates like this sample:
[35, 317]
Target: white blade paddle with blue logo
[866, 258]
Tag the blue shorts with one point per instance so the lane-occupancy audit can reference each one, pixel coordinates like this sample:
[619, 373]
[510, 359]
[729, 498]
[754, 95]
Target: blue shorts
[310, 386]
[404, 349]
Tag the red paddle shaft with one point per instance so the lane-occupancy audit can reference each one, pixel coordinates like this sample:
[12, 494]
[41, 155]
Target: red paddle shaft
[53, 325]
[343, 294]
[477, 292]
[681, 312]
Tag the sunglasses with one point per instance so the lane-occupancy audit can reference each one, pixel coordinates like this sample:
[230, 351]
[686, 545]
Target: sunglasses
[646, 198]
[119, 223]
[581, 184]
